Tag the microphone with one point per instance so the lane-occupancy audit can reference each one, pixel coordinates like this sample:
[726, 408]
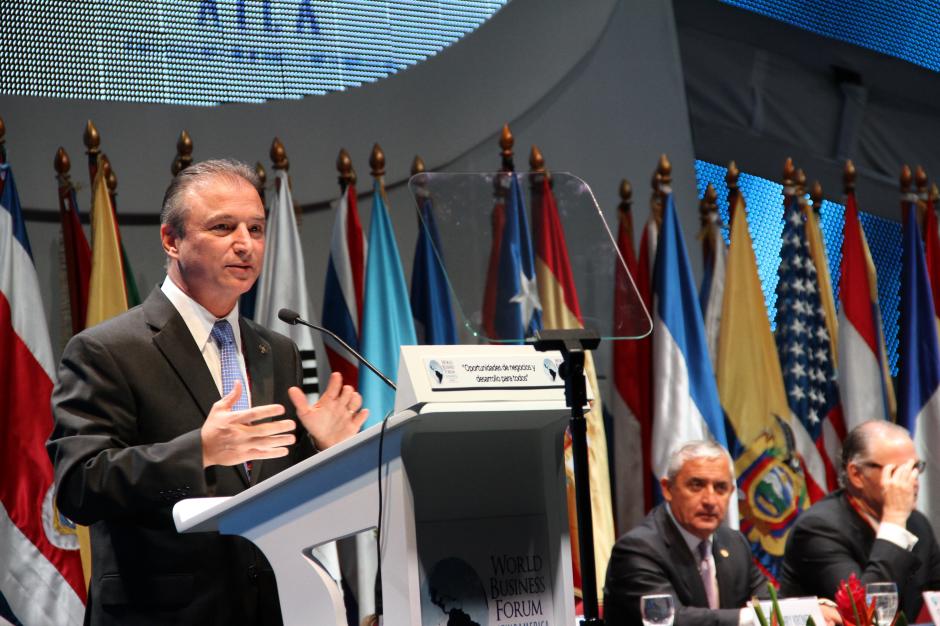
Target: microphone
[293, 317]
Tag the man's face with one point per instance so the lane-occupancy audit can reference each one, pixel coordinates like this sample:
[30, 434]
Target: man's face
[699, 494]
[891, 449]
[219, 258]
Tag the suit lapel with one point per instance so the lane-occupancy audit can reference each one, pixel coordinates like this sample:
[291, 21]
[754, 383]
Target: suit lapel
[175, 342]
[684, 561]
[260, 365]
[725, 566]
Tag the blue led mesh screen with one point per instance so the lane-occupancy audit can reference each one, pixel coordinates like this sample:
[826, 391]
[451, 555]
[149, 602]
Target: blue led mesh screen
[205, 52]
[907, 30]
[764, 199]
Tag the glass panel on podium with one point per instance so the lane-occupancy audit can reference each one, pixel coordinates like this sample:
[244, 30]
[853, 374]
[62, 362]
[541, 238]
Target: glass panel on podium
[500, 239]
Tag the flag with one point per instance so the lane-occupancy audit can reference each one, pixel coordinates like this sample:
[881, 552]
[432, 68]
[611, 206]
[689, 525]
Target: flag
[771, 486]
[685, 399]
[430, 290]
[919, 376]
[511, 307]
[932, 255]
[76, 256]
[805, 351]
[40, 568]
[646, 267]
[387, 322]
[561, 309]
[106, 292]
[343, 289]
[833, 426]
[283, 281]
[632, 390]
[714, 257]
[107, 295]
[864, 384]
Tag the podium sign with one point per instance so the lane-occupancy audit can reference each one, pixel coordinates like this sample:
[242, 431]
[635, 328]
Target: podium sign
[474, 510]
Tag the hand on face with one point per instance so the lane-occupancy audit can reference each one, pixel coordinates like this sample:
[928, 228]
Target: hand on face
[699, 494]
[231, 437]
[899, 491]
[335, 417]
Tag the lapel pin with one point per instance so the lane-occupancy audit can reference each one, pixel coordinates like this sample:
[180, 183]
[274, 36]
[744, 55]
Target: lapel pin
[724, 553]
[263, 349]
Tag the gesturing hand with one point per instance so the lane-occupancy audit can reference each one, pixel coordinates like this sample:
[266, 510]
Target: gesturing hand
[335, 417]
[230, 437]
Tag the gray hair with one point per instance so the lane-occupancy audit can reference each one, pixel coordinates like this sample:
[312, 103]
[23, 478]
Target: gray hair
[697, 449]
[856, 445]
[173, 213]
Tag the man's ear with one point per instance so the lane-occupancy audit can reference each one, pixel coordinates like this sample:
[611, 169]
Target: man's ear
[853, 474]
[170, 241]
[666, 487]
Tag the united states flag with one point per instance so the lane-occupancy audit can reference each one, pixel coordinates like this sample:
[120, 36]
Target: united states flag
[805, 350]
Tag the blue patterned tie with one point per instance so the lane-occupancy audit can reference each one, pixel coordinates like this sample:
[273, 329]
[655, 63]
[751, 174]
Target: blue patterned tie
[225, 340]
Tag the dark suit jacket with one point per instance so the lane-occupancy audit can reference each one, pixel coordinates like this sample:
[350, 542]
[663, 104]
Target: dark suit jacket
[654, 558]
[831, 541]
[132, 395]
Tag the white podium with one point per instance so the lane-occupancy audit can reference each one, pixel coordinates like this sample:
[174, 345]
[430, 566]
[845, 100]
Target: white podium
[474, 510]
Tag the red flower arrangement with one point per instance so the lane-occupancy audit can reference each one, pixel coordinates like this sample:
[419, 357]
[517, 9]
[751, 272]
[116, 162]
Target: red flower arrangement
[850, 602]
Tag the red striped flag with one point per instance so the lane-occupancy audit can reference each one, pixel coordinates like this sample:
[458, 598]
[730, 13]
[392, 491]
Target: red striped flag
[40, 569]
[343, 290]
[632, 391]
[77, 256]
[561, 309]
[864, 384]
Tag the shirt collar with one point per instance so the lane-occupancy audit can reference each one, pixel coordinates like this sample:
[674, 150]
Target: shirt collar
[691, 540]
[198, 319]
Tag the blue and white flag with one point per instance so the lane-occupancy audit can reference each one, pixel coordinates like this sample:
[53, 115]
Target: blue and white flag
[430, 291]
[919, 376]
[387, 323]
[685, 396]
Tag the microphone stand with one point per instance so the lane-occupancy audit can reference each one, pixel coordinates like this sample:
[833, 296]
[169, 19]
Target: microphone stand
[292, 317]
[573, 344]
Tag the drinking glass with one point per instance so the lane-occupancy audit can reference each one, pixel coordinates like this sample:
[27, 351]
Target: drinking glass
[657, 609]
[885, 598]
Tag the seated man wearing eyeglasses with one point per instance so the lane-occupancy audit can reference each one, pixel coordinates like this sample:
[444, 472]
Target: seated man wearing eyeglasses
[869, 527]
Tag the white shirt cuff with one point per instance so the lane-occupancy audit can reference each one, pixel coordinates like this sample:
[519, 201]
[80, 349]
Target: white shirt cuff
[898, 535]
[747, 617]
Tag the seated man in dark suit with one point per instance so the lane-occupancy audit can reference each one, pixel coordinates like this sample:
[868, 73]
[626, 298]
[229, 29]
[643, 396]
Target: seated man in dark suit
[682, 549]
[869, 527]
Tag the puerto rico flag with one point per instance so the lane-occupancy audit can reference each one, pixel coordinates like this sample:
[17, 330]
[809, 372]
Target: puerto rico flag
[511, 307]
[40, 569]
[343, 290]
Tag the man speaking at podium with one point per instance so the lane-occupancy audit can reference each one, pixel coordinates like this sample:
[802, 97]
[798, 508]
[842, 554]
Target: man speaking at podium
[181, 398]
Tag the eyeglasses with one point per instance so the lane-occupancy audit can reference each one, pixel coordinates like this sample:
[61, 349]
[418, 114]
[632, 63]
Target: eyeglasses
[919, 465]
